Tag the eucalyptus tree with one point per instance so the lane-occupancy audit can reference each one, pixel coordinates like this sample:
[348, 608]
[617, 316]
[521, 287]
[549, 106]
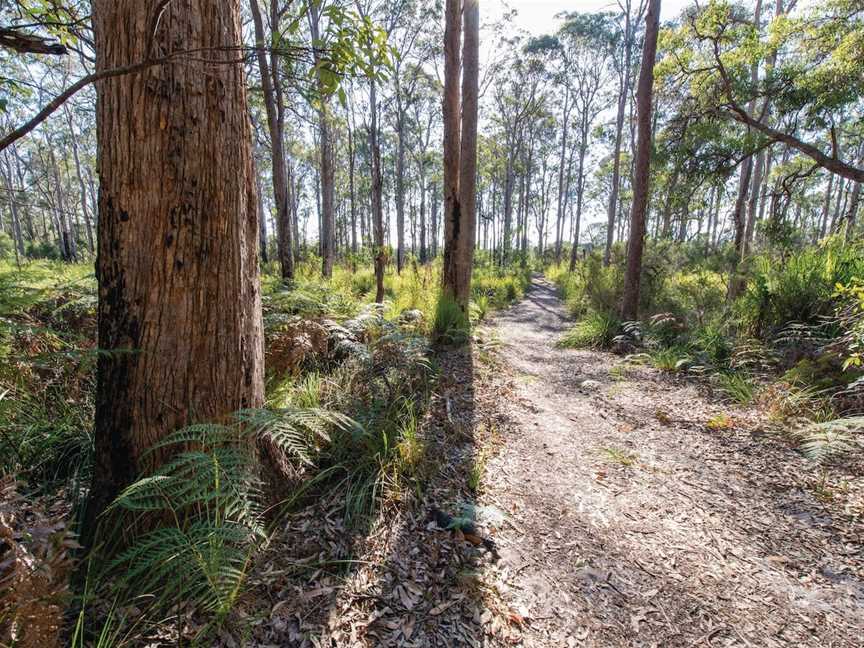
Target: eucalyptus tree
[642, 175]
[183, 258]
[518, 97]
[460, 114]
[588, 44]
[631, 14]
[274, 103]
[426, 108]
[410, 20]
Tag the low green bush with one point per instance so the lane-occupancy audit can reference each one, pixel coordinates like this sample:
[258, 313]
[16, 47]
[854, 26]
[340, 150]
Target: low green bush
[595, 330]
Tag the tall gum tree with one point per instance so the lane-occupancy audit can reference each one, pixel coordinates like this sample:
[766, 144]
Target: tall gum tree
[642, 168]
[180, 324]
[460, 148]
[274, 104]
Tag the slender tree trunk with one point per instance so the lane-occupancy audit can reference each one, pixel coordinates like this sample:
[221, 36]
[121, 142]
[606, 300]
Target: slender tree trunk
[400, 181]
[740, 215]
[852, 213]
[641, 176]
[424, 250]
[838, 206]
[452, 142]
[377, 194]
[509, 187]
[753, 204]
[624, 90]
[434, 219]
[85, 209]
[179, 297]
[352, 192]
[667, 209]
[64, 217]
[526, 191]
[580, 194]
[13, 208]
[562, 171]
[275, 120]
[328, 197]
[826, 206]
[262, 216]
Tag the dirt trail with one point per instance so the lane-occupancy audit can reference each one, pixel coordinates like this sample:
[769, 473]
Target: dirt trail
[632, 523]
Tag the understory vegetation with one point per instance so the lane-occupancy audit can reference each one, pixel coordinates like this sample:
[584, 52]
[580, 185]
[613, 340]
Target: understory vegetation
[348, 387]
[790, 343]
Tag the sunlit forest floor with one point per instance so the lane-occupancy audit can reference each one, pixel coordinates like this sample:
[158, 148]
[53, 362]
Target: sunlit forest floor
[625, 498]
[644, 510]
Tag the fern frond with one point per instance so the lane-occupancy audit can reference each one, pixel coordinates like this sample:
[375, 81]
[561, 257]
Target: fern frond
[824, 441]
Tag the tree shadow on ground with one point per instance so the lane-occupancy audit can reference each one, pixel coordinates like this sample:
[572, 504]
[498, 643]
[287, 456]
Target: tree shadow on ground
[398, 579]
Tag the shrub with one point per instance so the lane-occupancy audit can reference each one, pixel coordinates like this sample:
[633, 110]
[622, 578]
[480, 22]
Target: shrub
[670, 359]
[192, 527]
[801, 288]
[7, 246]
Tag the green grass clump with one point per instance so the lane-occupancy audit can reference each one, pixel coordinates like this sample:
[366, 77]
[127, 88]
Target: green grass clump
[737, 387]
[452, 325]
[596, 330]
[670, 359]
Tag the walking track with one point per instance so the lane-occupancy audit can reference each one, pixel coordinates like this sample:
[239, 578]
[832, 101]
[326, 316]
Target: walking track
[632, 521]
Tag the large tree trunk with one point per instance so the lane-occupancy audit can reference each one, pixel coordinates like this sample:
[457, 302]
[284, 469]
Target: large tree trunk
[179, 300]
[641, 176]
[465, 240]
[271, 87]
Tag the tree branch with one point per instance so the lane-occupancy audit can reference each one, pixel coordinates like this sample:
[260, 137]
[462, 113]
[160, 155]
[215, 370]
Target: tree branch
[832, 164]
[70, 92]
[24, 43]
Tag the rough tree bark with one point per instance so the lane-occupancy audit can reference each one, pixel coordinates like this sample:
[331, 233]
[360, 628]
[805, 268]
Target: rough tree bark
[460, 149]
[452, 139]
[179, 299]
[641, 176]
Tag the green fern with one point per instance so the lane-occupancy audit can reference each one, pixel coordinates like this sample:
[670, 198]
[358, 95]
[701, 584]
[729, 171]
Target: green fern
[210, 507]
[824, 441]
